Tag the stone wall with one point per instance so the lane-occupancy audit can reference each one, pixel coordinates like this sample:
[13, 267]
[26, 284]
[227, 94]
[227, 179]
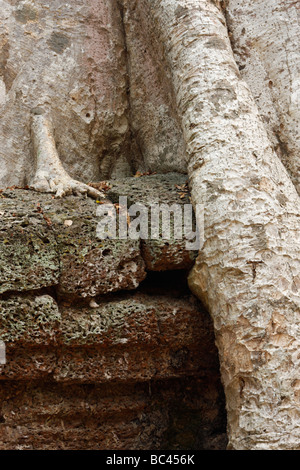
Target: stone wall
[106, 348]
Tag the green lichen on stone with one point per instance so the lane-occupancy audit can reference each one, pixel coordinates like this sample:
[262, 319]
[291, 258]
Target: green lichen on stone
[149, 189]
[112, 323]
[39, 249]
[90, 266]
[161, 255]
[29, 320]
[28, 248]
[48, 242]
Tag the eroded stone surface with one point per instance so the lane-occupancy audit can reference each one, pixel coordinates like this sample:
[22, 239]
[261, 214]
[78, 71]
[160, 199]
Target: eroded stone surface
[50, 416]
[146, 336]
[46, 242]
[137, 367]
[171, 189]
[29, 320]
[28, 253]
[49, 242]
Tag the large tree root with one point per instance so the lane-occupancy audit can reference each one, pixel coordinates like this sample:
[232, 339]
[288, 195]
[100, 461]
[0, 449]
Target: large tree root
[248, 273]
[266, 39]
[50, 175]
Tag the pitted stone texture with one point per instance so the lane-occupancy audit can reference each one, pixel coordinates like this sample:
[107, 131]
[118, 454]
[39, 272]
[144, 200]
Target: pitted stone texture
[90, 266]
[29, 321]
[149, 189]
[28, 248]
[46, 242]
[159, 254]
[144, 336]
[138, 337]
[96, 267]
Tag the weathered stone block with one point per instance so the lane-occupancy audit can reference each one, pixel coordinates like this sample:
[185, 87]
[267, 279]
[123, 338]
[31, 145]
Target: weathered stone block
[90, 267]
[29, 321]
[28, 248]
[159, 254]
[186, 413]
[46, 242]
[137, 337]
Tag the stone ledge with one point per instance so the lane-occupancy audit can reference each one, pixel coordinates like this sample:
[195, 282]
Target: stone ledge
[176, 414]
[159, 255]
[135, 369]
[49, 242]
[38, 249]
[139, 338]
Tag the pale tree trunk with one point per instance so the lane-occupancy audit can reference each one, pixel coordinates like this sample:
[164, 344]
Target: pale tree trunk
[248, 270]
[265, 35]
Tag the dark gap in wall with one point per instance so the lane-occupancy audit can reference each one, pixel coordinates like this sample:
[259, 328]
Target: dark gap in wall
[173, 283]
